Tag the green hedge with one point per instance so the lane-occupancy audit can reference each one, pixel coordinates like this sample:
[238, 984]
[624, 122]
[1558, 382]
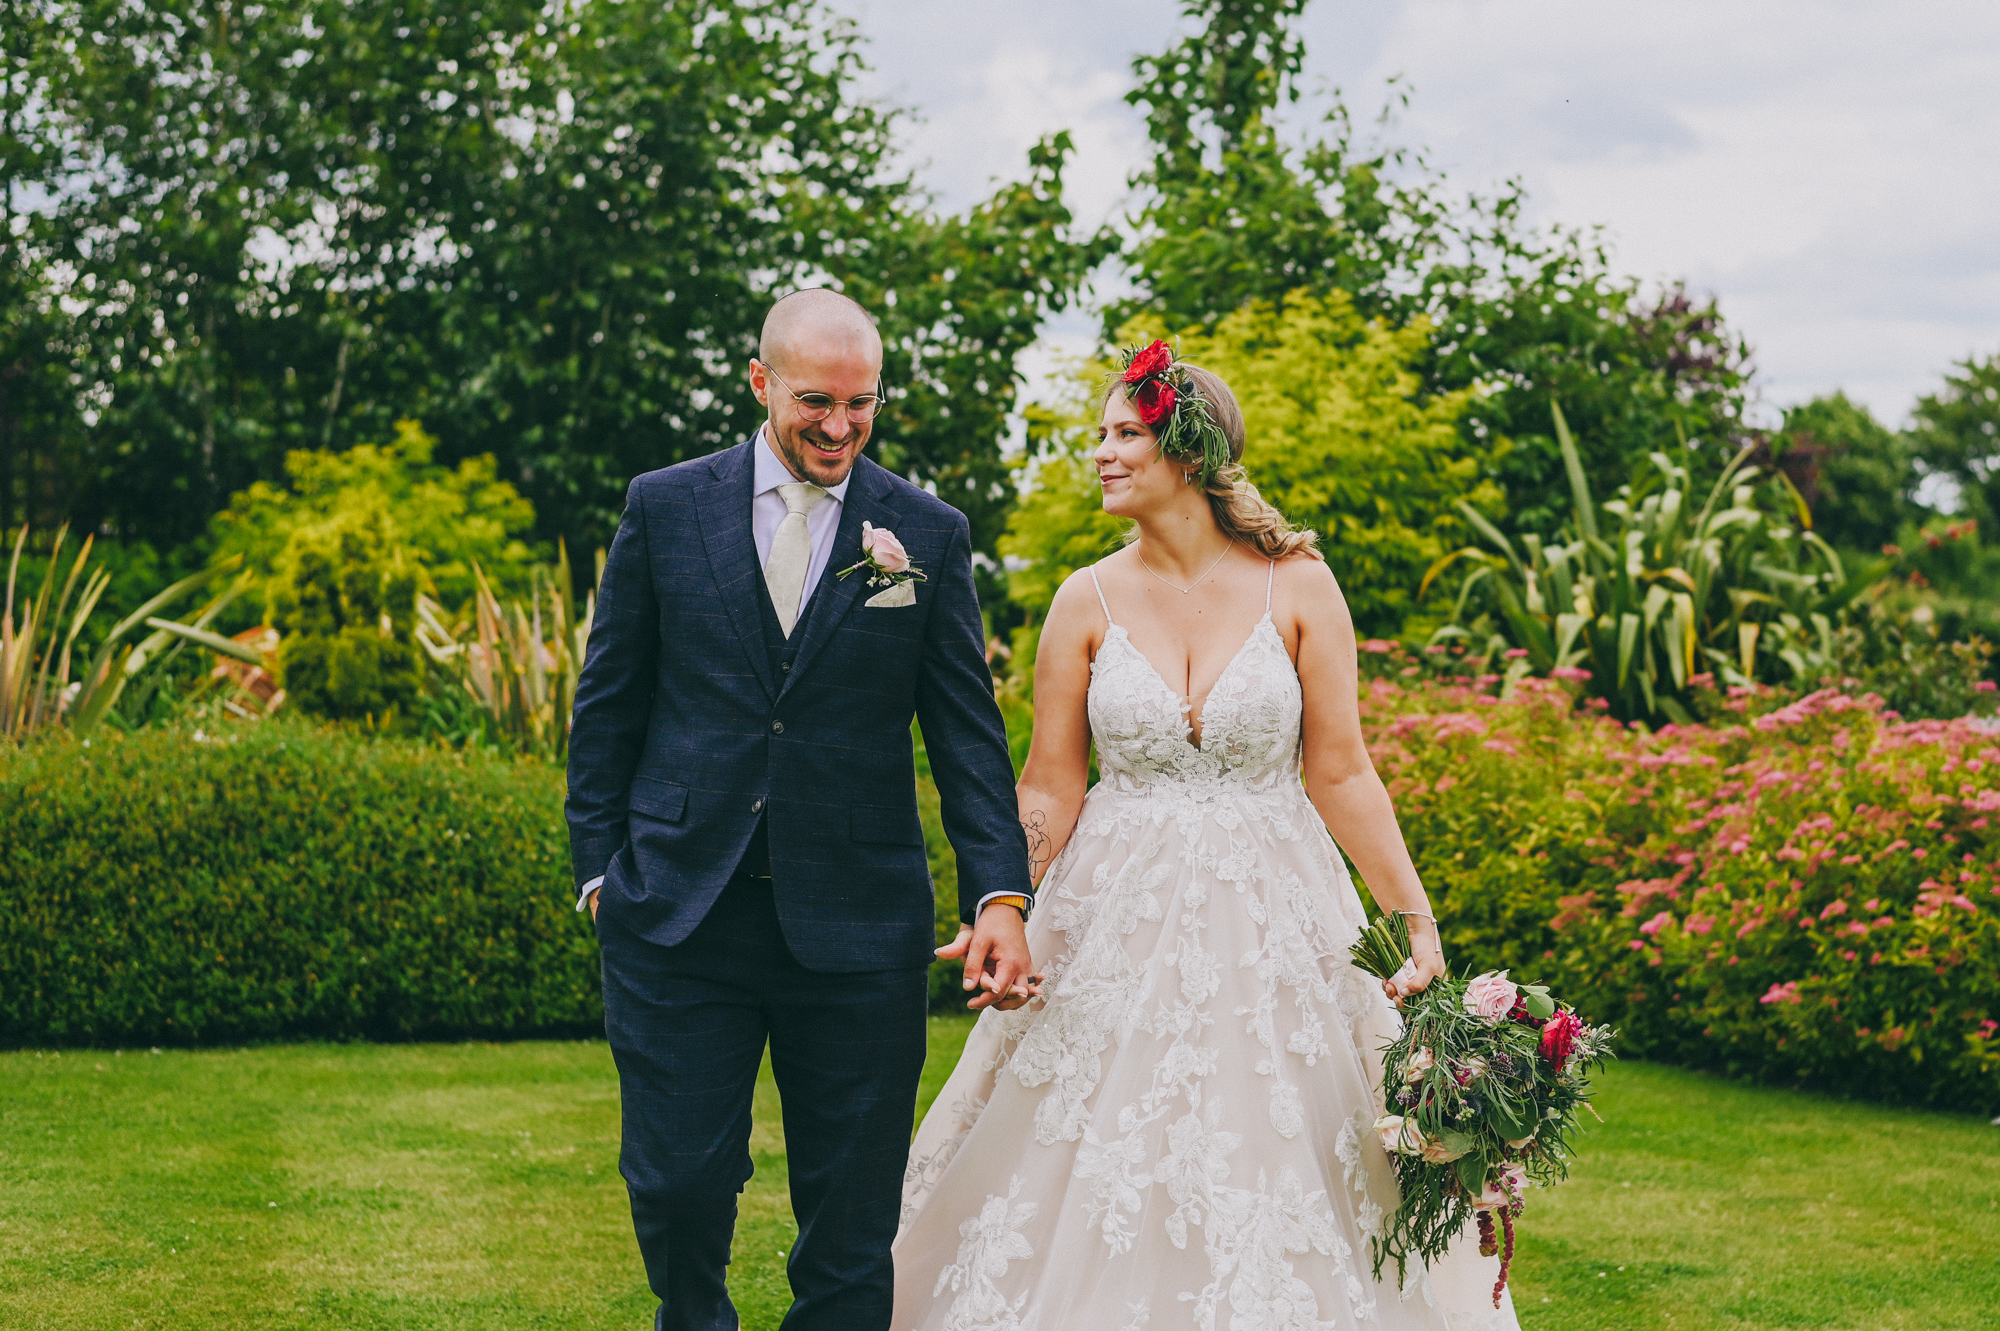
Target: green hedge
[282, 881]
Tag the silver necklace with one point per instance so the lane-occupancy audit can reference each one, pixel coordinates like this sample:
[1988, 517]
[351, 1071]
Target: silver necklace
[1197, 582]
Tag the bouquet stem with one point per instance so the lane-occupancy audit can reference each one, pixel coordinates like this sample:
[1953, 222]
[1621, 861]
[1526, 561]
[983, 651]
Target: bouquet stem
[1384, 946]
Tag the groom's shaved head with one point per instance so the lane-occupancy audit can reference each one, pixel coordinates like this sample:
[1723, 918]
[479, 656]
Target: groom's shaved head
[817, 320]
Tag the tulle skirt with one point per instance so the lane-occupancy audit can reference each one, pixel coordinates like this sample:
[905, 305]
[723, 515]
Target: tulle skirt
[1179, 1134]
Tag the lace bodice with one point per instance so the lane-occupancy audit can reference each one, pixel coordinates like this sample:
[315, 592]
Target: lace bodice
[1250, 723]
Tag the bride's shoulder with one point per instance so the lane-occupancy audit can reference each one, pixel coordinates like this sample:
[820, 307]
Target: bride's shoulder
[1079, 596]
[1304, 591]
[1304, 573]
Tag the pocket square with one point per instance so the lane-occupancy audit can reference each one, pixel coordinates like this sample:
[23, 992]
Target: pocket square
[903, 593]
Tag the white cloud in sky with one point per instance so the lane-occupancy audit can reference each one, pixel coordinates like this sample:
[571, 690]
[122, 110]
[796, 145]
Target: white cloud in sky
[1828, 168]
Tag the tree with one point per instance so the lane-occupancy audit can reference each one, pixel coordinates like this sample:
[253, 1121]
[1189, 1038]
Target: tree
[1957, 434]
[548, 231]
[1232, 213]
[1859, 473]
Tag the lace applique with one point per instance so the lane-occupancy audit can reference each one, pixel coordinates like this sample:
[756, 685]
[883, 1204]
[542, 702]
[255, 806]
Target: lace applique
[1252, 1237]
[1196, 1164]
[924, 1170]
[989, 1242]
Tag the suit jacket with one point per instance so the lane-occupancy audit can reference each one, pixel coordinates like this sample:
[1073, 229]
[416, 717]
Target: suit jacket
[686, 733]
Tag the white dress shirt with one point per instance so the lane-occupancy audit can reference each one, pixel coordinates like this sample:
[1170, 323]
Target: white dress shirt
[767, 510]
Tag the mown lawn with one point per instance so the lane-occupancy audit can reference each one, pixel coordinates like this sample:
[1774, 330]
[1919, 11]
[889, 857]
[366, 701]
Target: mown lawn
[475, 1186]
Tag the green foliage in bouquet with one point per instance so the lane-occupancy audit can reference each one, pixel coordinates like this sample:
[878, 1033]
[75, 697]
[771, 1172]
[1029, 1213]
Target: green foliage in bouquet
[281, 881]
[1482, 1089]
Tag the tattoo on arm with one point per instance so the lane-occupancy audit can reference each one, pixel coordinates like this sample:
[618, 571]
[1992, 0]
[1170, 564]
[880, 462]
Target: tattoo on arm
[1038, 844]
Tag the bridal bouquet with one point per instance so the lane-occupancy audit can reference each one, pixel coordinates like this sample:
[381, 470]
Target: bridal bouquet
[1483, 1089]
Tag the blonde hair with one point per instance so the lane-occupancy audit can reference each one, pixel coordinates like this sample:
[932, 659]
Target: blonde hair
[1242, 513]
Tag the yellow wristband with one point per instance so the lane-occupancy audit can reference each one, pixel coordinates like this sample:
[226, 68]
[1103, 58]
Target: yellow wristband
[1019, 903]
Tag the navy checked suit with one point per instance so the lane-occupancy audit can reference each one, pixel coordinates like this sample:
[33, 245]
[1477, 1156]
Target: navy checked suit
[705, 741]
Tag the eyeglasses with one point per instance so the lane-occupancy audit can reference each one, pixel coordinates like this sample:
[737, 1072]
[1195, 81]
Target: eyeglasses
[818, 406]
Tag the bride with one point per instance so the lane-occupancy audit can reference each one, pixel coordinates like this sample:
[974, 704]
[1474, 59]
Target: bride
[1176, 1131]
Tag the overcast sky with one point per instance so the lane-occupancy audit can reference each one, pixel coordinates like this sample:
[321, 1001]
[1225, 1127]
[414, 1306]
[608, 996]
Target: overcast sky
[1829, 168]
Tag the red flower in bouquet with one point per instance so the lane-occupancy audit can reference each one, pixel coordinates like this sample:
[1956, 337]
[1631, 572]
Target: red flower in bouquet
[1155, 401]
[1151, 361]
[1559, 1037]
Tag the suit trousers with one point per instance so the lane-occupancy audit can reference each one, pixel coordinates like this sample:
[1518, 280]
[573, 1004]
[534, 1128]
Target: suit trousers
[687, 1026]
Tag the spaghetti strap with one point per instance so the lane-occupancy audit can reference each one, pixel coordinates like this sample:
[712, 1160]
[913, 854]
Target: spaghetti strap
[1100, 597]
[1268, 579]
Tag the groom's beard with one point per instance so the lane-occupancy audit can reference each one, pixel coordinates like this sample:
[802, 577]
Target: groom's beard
[808, 464]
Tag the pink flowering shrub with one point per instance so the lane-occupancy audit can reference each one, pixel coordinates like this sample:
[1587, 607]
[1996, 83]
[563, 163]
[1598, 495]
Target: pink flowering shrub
[1805, 890]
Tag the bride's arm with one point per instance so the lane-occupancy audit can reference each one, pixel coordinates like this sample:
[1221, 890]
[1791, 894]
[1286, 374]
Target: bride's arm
[1340, 778]
[1054, 778]
[1057, 773]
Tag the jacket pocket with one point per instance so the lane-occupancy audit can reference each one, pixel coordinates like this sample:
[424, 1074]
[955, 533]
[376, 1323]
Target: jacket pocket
[896, 827]
[657, 799]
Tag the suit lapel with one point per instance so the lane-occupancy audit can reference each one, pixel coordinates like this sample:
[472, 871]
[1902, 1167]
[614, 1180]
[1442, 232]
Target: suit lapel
[723, 508]
[836, 595]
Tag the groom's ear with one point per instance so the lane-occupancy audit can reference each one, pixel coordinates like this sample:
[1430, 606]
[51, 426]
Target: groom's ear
[760, 383]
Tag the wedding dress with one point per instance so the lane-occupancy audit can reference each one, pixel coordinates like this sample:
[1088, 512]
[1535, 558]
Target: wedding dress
[1179, 1134]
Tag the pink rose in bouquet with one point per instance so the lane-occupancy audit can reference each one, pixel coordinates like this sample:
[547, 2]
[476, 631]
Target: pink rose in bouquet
[1399, 1135]
[1491, 996]
[1417, 1064]
[882, 547]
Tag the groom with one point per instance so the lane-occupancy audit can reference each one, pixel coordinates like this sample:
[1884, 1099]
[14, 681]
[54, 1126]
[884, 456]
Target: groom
[743, 824]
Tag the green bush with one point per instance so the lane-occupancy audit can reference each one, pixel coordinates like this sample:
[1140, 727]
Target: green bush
[345, 601]
[1809, 893]
[281, 881]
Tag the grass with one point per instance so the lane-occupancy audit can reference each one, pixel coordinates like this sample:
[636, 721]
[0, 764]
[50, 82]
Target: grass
[424, 1187]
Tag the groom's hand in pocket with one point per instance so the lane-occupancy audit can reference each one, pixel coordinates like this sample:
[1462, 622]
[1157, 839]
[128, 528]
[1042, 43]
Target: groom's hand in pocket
[997, 963]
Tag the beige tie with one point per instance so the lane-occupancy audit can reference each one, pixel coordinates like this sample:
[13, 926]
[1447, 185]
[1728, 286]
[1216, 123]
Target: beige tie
[791, 553]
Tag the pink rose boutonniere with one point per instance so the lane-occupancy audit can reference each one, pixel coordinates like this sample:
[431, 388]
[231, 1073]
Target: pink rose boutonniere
[887, 562]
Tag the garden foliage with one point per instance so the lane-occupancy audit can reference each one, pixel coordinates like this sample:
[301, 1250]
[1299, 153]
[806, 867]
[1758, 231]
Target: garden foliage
[1654, 593]
[345, 602]
[278, 881]
[446, 518]
[1803, 893]
[549, 231]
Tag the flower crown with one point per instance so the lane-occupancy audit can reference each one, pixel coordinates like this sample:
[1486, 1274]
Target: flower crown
[1170, 402]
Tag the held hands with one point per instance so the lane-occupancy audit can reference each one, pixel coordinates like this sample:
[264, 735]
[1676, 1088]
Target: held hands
[1426, 963]
[996, 957]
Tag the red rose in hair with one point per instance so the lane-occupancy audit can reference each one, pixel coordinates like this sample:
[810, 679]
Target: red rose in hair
[1559, 1037]
[1155, 400]
[1153, 360]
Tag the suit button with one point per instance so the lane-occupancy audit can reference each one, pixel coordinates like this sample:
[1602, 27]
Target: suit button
[777, 727]
[757, 806]
[786, 667]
